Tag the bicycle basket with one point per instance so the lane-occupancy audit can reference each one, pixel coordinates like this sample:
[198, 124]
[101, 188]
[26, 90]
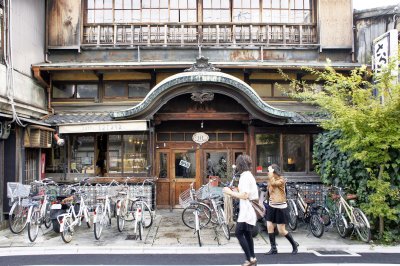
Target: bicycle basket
[184, 198]
[203, 192]
[15, 189]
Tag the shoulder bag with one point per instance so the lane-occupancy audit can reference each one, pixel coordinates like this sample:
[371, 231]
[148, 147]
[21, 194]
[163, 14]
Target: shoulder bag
[258, 208]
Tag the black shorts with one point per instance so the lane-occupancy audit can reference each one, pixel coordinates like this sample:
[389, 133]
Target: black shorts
[277, 216]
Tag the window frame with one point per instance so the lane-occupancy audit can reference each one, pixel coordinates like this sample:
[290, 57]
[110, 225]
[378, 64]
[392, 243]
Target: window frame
[74, 98]
[307, 151]
[126, 83]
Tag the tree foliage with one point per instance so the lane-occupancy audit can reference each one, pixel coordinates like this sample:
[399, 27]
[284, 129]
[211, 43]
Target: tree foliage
[364, 121]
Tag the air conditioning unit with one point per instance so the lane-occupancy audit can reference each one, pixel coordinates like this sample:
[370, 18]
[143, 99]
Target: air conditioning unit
[37, 138]
[5, 128]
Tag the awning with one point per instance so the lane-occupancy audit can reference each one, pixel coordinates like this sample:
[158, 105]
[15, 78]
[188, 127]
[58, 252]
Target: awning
[99, 127]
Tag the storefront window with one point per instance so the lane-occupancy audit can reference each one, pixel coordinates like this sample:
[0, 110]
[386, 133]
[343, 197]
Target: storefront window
[267, 151]
[55, 158]
[115, 154]
[82, 154]
[135, 153]
[294, 153]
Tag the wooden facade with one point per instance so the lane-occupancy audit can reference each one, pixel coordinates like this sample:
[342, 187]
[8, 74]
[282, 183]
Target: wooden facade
[107, 68]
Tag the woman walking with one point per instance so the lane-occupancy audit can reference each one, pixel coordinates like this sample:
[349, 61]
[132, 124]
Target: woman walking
[277, 209]
[247, 190]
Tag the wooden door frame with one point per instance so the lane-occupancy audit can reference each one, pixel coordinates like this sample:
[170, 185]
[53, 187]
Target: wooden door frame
[163, 180]
[173, 178]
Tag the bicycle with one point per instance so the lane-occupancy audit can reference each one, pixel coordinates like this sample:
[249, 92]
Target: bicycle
[348, 218]
[71, 218]
[143, 217]
[215, 202]
[196, 214]
[102, 214]
[39, 210]
[305, 209]
[18, 215]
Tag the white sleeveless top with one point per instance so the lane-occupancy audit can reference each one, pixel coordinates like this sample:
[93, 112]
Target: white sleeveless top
[247, 183]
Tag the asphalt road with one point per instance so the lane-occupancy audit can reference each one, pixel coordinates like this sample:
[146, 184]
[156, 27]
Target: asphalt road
[200, 259]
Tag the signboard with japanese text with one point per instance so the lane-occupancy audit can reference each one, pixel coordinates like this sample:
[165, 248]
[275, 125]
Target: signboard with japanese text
[117, 126]
[385, 49]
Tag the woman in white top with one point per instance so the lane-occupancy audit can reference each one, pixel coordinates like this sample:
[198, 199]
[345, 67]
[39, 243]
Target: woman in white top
[247, 190]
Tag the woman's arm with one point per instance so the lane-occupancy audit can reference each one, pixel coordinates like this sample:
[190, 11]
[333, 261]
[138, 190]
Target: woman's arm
[275, 182]
[236, 194]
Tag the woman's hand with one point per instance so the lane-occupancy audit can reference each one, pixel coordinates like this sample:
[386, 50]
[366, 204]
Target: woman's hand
[227, 190]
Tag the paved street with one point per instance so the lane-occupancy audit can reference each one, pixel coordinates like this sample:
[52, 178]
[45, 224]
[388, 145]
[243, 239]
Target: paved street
[179, 245]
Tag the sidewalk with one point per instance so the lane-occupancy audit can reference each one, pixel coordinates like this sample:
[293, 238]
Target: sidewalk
[168, 235]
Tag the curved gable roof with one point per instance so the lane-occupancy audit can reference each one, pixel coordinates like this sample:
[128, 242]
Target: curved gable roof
[226, 84]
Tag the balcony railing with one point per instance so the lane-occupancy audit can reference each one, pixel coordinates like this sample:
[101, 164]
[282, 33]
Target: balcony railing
[205, 34]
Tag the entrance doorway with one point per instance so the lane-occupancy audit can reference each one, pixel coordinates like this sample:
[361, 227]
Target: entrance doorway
[178, 168]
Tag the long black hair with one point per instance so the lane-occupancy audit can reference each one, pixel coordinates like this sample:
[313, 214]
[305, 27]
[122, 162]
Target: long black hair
[243, 163]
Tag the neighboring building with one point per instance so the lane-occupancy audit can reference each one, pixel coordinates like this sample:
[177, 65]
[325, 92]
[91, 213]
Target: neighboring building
[123, 101]
[23, 102]
[369, 24]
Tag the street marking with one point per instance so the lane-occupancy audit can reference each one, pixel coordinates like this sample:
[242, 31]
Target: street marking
[334, 253]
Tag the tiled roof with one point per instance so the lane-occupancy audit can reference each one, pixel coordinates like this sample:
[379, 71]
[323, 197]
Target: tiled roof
[91, 117]
[69, 118]
[308, 118]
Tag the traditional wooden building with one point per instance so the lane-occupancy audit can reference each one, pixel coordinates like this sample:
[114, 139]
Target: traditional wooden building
[130, 99]
[23, 102]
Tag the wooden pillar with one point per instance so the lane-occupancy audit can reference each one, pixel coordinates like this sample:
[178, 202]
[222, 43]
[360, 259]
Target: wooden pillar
[252, 146]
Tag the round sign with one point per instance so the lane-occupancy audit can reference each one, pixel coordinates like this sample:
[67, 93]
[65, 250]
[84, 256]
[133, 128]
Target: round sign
[200, 137]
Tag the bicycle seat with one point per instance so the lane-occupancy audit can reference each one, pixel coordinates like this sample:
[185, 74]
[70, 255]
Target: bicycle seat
[351, 196]
[309, 201]
[122, 193]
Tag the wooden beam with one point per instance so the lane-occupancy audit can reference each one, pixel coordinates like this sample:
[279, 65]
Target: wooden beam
[201, 116]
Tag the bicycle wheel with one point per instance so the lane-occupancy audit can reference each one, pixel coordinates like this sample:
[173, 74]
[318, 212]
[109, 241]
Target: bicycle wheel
[17, 217]
[362, 225]
[341, 225]
[47, 220]
[140, 229]
[33, 225]
[317, 226]
[67, 233]
[89, 220]
[292, 215]
[325, 215]
[222, 223]
[100, 221]
[121, 216]
[188, 217]
[198, 237]
[147, 215]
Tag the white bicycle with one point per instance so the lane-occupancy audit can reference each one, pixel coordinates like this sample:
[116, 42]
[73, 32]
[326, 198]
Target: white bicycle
[102, 214]
[69, 220]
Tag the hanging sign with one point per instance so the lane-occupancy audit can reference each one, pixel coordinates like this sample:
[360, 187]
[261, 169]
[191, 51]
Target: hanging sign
[200, 137]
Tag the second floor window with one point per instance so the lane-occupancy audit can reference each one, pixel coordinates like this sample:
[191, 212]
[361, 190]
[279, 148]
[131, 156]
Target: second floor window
[287, 11]
[159, 11]
[137, 11]
[126, 89]
[74, 91]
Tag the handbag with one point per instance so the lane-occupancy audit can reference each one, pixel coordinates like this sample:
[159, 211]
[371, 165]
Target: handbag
[258, 208]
